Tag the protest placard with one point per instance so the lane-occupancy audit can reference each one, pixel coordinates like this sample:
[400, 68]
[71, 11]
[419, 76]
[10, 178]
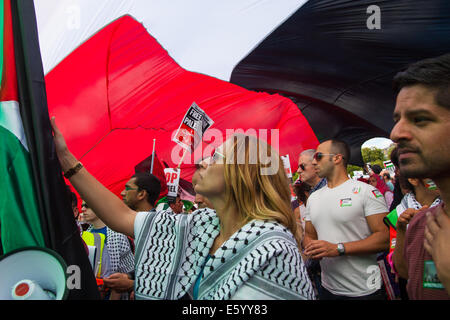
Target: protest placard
[287, 165]
[192, 128]
[173, 181]
[358, 174]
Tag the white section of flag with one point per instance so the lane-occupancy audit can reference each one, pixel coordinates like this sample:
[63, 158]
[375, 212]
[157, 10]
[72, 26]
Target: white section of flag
[11, 120]
[205, 36]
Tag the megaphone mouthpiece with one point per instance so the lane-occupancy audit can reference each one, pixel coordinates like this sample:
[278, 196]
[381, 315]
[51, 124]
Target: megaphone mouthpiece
[29, 290]
[34, 273]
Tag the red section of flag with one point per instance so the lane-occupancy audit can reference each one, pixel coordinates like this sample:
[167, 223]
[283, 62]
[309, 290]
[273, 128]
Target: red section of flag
[8, 90]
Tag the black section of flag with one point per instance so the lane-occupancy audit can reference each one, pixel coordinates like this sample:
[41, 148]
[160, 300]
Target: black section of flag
[333, 62]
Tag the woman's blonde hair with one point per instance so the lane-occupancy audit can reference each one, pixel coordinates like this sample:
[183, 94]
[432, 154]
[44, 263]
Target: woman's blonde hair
[256, 182]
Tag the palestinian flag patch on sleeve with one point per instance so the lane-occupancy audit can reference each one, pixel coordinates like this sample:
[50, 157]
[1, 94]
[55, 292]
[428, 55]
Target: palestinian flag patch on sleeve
[377, 193]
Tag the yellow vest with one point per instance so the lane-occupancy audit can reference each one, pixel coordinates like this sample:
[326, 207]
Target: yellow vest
[96, 240]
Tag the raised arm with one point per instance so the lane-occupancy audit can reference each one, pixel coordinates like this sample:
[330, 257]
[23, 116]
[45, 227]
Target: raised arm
[107, 206]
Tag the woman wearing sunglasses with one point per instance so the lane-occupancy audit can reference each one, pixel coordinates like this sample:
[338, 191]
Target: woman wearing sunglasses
[248, 248]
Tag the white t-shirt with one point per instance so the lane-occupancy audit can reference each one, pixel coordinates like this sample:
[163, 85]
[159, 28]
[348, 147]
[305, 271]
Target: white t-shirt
[338, 216]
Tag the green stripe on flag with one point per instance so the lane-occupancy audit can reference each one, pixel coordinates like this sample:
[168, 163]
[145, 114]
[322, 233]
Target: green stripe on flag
[20, 224]
[391, 219]
[19, 221]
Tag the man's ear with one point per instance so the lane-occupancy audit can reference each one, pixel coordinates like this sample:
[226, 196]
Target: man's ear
[142, 194]
[338, 159]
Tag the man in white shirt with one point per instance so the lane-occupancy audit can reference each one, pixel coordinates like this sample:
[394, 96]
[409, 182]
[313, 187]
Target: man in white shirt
[344, 228]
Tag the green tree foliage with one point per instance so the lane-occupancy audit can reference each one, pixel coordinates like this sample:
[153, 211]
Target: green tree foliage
[371, 155]
[351, 168]
[294, 176]
[388, 153]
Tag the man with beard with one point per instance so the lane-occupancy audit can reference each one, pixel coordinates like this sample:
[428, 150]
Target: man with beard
[422, 125]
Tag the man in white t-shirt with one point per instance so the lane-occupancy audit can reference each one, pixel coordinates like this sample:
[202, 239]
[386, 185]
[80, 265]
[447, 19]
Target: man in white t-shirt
[344, 228]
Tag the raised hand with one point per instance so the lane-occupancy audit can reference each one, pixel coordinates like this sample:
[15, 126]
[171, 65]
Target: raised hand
[66, 159]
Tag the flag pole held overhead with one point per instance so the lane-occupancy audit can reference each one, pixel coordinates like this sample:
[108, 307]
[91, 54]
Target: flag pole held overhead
[153, 156]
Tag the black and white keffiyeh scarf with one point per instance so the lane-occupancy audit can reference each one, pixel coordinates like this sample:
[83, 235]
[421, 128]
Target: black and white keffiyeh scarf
[409, 201]
[119, 249]
[260, 261]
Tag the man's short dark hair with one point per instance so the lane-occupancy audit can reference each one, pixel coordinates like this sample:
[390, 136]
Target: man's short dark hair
[433, 73]
[340, 147]
[148, 182]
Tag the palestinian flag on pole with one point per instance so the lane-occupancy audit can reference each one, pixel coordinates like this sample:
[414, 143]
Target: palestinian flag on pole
[35, 207]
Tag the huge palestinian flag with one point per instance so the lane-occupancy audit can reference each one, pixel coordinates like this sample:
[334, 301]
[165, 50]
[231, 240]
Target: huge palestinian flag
[35, 207]
[122, 73]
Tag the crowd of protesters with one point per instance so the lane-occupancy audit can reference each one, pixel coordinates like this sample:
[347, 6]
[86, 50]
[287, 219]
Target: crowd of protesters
[387, 237]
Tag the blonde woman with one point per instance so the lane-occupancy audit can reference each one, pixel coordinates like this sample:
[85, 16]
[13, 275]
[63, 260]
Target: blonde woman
[244, 249]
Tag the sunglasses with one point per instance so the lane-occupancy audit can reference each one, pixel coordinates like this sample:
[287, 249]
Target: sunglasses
[215, 156]
[84, 205]
[319, 155]
[301, 166]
